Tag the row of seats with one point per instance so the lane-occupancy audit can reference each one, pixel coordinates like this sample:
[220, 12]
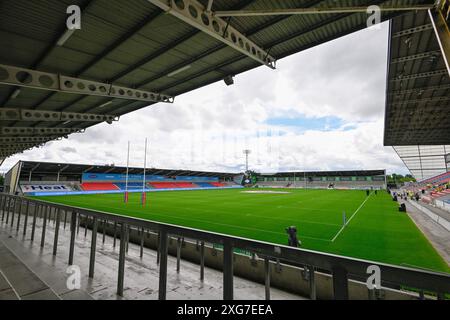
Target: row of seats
[431, 188]
[109, 186]
[218, 184]
[172, 185]
[98, 186]
[131, 185]
[442, 178]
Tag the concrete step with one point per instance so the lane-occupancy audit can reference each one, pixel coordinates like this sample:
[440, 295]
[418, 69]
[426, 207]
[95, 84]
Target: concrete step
[6, 290]
[19, 279]
[53, 278]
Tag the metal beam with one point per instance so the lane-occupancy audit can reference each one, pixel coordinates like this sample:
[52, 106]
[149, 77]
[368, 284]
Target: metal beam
[320, 10]
[209, 5]
[109, 170]
[441, 72]
[441, 29]
[416, 57]
[426, 100]
[195, 14]
[420, 90]
[7, 153]
[9, 150]
[18, 145]
[90, 168]
[36, 140]
[417, 29]
[23, 77]
[7, 114]
[14, 131]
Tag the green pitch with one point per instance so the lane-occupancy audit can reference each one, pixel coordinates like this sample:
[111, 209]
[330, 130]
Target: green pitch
[375, 229]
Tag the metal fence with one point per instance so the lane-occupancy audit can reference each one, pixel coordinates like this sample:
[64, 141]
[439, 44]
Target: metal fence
[16, 208]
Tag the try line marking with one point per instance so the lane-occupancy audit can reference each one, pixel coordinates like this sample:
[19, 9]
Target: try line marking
[354, 214]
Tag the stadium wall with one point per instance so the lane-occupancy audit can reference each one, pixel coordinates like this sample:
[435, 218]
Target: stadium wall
[12, 178]
[443, 204]
[444, 223]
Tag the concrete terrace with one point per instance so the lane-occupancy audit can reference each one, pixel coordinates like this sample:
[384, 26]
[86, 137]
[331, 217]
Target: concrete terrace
[28, 271]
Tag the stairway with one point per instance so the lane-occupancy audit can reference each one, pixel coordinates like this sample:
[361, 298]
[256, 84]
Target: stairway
[18, 282]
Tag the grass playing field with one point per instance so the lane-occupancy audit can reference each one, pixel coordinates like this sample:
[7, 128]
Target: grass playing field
[376, 230]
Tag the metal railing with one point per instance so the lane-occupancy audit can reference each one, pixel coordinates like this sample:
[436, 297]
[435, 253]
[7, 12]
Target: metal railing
[15, 208]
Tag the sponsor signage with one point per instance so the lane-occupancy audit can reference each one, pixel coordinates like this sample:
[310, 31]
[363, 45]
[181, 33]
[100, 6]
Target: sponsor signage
[191, 178]
[44, 187]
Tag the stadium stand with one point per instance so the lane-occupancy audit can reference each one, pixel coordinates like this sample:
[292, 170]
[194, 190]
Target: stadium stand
[433, 191]
[47, 178]
[325, 179]
[442, 178]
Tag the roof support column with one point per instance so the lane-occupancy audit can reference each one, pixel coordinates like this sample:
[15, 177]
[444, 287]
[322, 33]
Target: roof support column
[441, 29]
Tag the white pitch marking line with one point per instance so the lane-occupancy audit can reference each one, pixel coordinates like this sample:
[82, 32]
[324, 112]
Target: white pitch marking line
[354, 214]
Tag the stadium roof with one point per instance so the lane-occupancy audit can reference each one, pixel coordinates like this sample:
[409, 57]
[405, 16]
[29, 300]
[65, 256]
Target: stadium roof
[345, 173]
[418, 90]
[39, 168]
[43, 168]
[424, 161]
[135, 53]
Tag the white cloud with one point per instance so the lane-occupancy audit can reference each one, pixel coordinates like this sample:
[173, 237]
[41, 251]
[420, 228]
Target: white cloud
[207, 129]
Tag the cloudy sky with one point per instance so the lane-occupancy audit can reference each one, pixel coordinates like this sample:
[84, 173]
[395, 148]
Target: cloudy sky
[322, 109]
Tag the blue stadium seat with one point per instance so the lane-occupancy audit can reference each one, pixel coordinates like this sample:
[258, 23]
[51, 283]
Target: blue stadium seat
[204, 184]
[131, 185]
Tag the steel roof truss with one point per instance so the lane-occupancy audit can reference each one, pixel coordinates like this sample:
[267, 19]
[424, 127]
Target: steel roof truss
[10, 114]
[195, 14]
[17, 76]
[13, 131]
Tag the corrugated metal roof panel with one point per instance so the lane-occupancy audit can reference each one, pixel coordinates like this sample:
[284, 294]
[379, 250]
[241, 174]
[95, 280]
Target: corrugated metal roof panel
[133, 43]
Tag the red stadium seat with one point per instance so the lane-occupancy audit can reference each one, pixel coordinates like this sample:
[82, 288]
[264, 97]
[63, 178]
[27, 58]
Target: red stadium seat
[218, 184]
[172, 185]
[98, 186]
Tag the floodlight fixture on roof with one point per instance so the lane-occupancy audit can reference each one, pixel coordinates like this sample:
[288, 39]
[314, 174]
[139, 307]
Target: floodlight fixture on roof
[173, 73]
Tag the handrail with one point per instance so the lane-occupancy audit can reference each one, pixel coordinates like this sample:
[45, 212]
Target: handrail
[341, 267]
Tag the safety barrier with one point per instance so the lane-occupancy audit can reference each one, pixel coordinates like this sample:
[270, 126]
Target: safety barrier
[342, 269]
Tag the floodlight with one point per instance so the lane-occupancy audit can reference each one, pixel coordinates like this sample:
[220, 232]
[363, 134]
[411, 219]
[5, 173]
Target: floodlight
[228, 80]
